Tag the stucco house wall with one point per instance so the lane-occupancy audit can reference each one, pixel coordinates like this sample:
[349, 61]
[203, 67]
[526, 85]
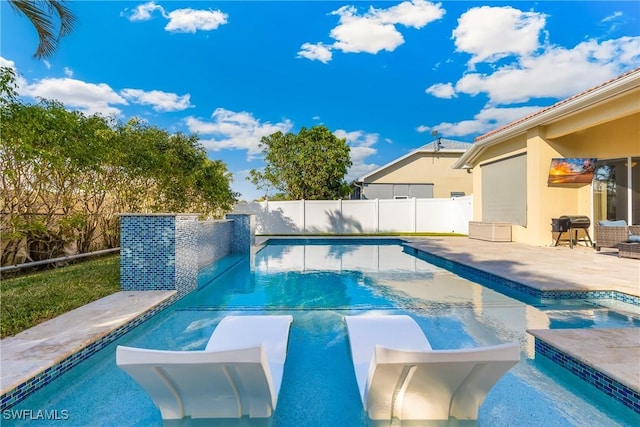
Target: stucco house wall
[424, 166]
[602, 123]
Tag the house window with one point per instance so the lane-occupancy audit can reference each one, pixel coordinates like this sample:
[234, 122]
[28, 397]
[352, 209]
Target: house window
[400, 197]
[457, 194]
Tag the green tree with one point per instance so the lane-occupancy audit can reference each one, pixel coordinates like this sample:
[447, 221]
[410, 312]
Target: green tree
[65, 177]
[52, 20]
[310, 165]
[8, 86]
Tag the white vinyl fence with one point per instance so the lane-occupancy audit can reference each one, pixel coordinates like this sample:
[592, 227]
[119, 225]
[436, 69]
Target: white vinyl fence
[361, 216]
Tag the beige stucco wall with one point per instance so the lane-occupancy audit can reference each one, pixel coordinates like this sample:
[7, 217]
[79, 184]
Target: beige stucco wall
[427, 168]
[584, 134]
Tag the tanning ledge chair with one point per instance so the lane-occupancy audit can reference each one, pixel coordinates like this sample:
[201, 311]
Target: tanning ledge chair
[238, 373]
[400, 376]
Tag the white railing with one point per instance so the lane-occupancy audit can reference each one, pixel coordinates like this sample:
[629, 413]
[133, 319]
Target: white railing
[361, 216]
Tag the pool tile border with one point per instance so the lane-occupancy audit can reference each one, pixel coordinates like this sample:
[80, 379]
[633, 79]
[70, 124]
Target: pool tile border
[466, 270]
[602, 382]
[20, 392]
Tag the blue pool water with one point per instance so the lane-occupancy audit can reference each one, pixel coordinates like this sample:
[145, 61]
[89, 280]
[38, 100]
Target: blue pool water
[318, 284]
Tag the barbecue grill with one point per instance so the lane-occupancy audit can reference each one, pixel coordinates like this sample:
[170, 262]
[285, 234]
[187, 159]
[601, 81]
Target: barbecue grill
[572, 224]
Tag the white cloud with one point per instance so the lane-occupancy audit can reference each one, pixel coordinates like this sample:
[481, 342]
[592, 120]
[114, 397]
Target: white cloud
[361, 147]
[416, 13]
[488, 119]
[364, 34]
[492, 33]
[529, 69]
[574, 70]
[180, 20]
[373, 31]
[318, 51]
[422, 128]
[47, 64]
[89, 98]
[441, 90]
[143, 12]
[360, 153]
[358, 137]
[235, 130]
[7, 63]
[190, 20]
[359, 169]
[161, 101]
[613, 17]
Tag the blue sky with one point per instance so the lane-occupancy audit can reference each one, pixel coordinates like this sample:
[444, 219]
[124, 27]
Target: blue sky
[384, 75]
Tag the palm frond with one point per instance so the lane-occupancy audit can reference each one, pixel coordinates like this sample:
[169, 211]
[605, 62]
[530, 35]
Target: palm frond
[44, 15]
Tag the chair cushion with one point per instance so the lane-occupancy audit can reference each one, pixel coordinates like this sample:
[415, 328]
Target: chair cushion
[634, 238]
[615, 223]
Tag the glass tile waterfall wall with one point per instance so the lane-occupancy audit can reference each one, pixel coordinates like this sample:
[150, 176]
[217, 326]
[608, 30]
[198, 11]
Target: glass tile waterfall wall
[165, 251]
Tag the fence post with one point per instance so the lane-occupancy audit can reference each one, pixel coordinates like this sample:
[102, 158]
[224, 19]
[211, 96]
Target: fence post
[414, 215]
[304, 216]
[377, 215]
[341, 226]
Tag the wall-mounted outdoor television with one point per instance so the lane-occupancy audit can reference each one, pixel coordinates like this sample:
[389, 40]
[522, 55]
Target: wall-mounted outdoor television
[574, 170]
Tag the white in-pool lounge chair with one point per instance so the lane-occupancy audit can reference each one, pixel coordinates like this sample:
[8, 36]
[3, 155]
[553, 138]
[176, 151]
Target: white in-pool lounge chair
[238, 373]
[400, 376]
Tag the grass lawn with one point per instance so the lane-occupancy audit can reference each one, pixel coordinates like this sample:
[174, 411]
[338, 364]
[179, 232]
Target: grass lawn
[32, 298]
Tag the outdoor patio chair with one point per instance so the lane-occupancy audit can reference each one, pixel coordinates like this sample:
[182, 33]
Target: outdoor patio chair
[400, 376]
[609, 234]
[238, 373]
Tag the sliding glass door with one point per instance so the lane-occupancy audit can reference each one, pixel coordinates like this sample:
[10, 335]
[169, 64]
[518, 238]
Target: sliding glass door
[616, 190]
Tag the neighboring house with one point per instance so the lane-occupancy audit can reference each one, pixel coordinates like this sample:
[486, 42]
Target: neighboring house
[423, 173]
[511, 165]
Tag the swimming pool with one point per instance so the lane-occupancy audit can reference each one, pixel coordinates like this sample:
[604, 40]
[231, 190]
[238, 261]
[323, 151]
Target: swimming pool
[319, 283]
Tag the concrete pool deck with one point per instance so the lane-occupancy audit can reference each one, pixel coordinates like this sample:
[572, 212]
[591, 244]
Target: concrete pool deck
[31, 352]
[612, 352]
[616, 354]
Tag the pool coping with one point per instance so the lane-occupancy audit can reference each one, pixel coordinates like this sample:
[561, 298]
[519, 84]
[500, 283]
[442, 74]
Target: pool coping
[20, 389]
[562, 347]
[35, 357]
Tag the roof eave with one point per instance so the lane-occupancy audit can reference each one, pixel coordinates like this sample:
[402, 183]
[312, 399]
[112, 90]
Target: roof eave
[563, 108]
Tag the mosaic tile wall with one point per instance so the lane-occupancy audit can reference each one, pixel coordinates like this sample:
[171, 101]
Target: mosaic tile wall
[165, 251]
[604, 383]
[244, 233]
[186, 250]
[214, 240]
[157, 252]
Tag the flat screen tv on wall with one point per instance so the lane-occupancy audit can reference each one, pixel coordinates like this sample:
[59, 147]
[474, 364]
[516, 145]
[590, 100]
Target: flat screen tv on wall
[573, 170]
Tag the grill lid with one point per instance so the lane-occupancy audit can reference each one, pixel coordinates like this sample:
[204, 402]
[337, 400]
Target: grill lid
[577, 221]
